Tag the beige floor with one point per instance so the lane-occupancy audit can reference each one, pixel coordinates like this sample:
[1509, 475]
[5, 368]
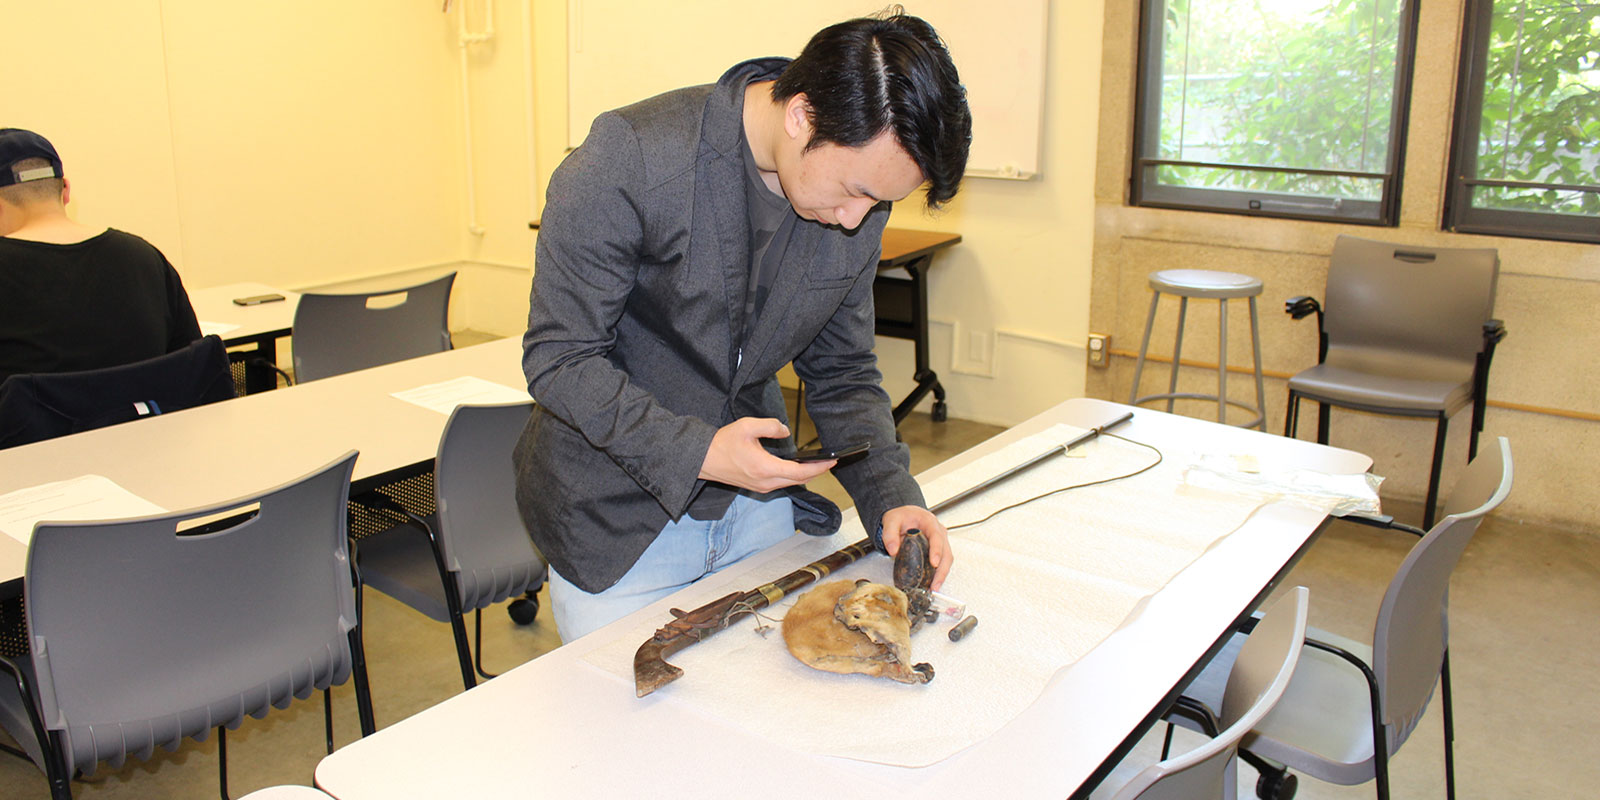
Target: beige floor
[1525, 601]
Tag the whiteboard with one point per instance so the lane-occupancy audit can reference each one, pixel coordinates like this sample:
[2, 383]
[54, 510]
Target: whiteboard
[622, 51]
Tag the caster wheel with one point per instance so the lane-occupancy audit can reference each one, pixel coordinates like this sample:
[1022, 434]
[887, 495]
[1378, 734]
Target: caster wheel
[941, 412]
[523, 610]
[1276, 786]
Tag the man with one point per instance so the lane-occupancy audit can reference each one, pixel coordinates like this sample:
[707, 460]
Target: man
[74, 297]
[696, 243]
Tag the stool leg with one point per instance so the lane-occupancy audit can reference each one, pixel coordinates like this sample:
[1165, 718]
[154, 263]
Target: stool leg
[1144, 347]
[1261, 391]
[1177, 352]
[1222, 360]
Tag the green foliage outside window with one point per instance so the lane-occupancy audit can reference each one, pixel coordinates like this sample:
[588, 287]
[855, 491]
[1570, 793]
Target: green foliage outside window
[1541, 107]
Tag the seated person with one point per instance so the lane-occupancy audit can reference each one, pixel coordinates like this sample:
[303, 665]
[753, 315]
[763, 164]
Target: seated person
[74, 297]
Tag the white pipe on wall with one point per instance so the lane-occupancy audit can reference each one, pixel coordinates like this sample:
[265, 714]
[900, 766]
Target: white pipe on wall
[527, 99]
[467, 39]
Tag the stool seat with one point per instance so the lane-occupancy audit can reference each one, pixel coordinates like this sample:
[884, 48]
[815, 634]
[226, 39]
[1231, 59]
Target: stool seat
[1205, 283]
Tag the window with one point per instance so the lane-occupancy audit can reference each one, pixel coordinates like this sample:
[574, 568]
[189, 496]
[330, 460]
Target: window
[1283, 108]
[1526, 155]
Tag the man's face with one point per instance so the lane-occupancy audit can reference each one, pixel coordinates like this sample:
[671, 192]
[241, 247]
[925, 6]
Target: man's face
[837, 185]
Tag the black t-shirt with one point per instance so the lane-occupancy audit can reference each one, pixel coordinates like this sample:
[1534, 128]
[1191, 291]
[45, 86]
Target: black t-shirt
[108, 300]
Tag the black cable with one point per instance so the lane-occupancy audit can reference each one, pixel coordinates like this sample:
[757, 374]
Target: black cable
[1140, 471]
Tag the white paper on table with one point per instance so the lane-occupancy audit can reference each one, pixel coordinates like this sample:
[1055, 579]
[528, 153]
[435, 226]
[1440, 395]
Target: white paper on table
[218, 328]
[1048, 581]
[81, 498]
[467, 390]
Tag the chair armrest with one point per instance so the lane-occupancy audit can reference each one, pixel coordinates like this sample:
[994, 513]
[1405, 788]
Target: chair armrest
[1493, 331]
[1384, 521]
[1302, 306]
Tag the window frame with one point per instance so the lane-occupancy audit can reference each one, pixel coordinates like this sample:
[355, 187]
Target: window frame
[1144, 190]
[1459, 215]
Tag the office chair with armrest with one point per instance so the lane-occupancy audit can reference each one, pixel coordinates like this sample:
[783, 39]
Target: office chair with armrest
[1404, 331]
[338, 333]
[474, 551]
[39, 406]
[148, 631]
[1347, 694]
[1256, 681]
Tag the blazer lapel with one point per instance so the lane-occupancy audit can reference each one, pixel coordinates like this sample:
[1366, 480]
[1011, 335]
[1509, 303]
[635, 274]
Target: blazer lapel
[791, 278]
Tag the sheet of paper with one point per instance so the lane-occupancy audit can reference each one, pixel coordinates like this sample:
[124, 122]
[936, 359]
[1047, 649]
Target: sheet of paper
[81, 498]
[218, 328]
[467, 390]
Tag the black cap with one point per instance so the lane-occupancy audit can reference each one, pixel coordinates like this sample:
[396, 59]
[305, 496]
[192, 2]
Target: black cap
[16, 145]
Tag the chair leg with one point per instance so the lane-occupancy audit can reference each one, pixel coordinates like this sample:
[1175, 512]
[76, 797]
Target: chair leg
[1291, 416]
[1144, 347]
[477, 645]
[222, 760]
[1177, 352]
[327, 717]
[1323, 410]
[458, 629]
[1433, 476]
[358, 659]
[1449, 729]
[1222, 361]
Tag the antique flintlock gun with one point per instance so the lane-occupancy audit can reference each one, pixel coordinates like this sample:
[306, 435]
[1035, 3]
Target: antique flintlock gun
[650, 668]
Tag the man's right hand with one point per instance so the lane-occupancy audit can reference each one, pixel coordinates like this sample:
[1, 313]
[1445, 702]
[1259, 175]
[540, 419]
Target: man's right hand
[737, 458]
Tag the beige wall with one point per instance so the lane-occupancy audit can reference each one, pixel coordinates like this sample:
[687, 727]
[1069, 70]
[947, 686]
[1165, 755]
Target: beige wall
[1547, 293]
[296, 143]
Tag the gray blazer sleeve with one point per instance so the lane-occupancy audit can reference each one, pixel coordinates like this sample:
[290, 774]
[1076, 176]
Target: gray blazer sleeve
[845, 397]
[587, 263]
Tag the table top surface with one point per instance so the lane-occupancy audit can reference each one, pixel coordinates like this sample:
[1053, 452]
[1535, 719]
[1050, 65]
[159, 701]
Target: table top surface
[229, 449]
[214, 306]
[901, 245]
[572, 730]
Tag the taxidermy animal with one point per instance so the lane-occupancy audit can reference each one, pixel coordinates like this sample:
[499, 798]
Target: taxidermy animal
[858, 627]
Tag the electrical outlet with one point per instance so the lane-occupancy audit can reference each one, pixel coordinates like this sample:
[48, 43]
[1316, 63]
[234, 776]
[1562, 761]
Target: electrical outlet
[972, 351]
[1099, 350]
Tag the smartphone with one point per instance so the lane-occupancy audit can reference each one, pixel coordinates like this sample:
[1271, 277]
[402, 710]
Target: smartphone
[257, 300]
[827, 454]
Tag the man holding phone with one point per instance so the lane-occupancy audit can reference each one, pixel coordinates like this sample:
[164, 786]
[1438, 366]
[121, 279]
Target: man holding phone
[693, 245]
[75, 297]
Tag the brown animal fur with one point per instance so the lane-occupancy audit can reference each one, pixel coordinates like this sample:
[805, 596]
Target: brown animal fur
[856, 627]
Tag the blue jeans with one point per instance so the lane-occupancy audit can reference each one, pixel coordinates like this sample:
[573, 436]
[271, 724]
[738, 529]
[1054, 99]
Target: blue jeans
[685, 551]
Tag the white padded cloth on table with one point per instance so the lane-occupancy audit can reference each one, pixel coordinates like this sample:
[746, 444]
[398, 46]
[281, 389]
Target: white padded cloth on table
[1048, 582]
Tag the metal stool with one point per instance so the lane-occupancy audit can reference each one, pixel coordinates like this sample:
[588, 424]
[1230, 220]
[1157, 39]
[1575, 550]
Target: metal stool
[1204, 284]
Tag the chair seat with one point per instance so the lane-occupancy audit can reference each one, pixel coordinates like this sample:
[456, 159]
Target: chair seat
[1389, 392]
[399, 562]
[1327, 696]
[1205, 283]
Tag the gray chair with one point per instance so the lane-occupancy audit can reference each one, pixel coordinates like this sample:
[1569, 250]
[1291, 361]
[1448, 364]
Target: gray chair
[1259, 676]
[147, 631]
[338, 333]
[1347, 694]
[1405, 331]
[474, 551]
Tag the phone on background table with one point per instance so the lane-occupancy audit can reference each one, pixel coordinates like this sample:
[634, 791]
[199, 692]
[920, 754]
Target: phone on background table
[257, 299]
[830, 454]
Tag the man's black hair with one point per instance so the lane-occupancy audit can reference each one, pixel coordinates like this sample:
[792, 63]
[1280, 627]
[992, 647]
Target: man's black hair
[866, 76]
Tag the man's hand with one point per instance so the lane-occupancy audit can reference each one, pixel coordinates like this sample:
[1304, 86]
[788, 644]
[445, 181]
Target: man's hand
[737, 458]
[896, 521]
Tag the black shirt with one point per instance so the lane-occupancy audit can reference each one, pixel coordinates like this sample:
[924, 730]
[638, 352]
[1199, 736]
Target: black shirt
[108, 300]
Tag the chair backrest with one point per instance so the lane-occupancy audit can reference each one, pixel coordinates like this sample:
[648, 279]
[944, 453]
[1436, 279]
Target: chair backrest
[39, 406]
[484, 541]
[1259, 677]
[146, 631]
[1411, 632]
[1422, 305]
[338, 333]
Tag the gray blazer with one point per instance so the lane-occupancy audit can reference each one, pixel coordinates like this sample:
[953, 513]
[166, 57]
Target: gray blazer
[641, 266]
